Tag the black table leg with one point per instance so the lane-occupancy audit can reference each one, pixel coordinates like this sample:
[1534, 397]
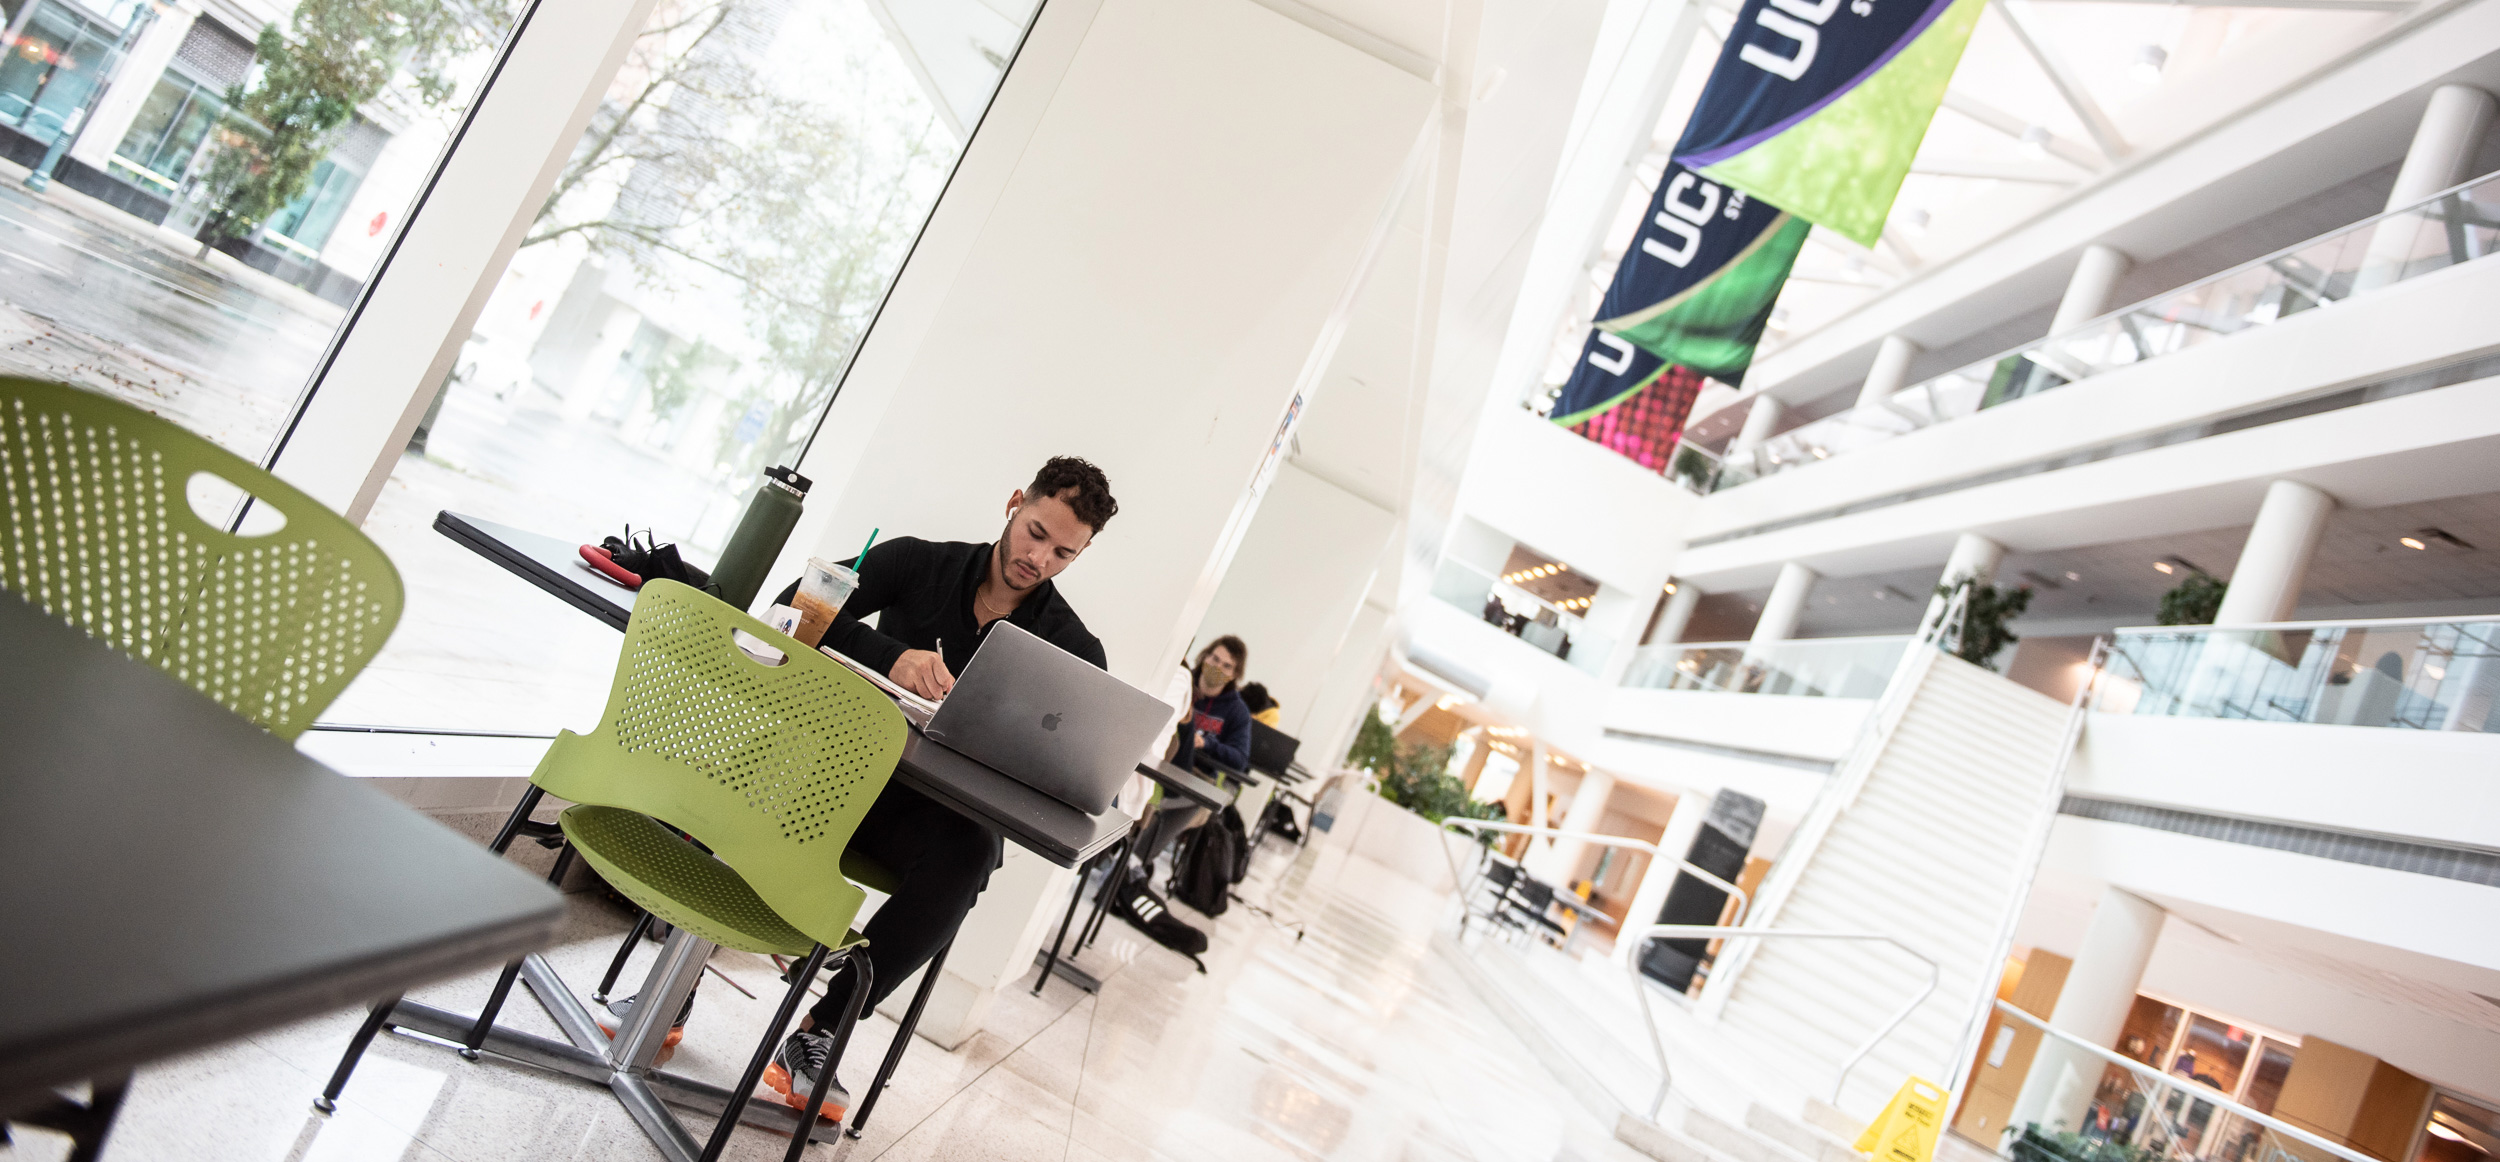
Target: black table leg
[1050, 961]
[902, 1040]
[1110, 887]
[87, 1125]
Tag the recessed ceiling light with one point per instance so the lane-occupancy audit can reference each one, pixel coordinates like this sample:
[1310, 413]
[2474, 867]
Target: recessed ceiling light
[2439, 1130]
[2071, 575]
[2411, 542]
[2163, 567]
[2035, 140]
[2437, 673]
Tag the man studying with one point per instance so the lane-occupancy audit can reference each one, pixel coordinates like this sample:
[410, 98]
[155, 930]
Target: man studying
[936, 601]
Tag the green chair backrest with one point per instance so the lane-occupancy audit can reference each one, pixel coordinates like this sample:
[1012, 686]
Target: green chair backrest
[96, 528]
[771, 767]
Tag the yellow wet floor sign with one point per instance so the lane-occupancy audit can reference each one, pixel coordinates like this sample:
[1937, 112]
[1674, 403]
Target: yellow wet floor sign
[1906, 1130]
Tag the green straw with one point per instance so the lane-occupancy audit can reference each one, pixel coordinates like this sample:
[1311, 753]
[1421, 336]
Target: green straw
[862, 559]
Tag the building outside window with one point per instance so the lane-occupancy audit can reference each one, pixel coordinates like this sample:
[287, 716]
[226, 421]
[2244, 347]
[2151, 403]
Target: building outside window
[54, 63]
[156, 153]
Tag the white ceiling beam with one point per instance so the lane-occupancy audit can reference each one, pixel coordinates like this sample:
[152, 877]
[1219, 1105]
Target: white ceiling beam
[2063, 148]
[1997, 169]
[2069, 86]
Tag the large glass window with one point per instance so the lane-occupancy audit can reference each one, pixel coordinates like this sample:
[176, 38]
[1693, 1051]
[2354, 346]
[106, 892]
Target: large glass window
[173, 283]
[675, 320]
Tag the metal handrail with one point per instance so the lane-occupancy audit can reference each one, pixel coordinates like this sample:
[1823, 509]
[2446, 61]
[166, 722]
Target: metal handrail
[1640, 989]
[2140, 1069]
[1743, 901]
[2354, 623]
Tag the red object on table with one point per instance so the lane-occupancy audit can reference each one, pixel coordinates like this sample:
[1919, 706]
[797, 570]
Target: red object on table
[599, 559]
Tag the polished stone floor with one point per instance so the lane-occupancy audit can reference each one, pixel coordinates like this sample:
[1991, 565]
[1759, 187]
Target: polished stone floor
[1331, 1030]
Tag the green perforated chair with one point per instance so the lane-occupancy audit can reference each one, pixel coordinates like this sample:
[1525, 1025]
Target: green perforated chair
[761, 774]
[96, 528]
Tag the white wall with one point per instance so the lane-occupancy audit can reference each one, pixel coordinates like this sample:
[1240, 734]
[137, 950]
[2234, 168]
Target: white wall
[1294, 586]
[2433, 785]
[1570, 499]
[1151, 273]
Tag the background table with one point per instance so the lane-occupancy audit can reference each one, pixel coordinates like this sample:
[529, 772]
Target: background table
[175, 876]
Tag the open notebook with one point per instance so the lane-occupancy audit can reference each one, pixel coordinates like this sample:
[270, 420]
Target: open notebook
[914, 707]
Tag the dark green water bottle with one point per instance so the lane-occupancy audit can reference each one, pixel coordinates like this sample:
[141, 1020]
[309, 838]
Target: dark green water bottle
[760, 535]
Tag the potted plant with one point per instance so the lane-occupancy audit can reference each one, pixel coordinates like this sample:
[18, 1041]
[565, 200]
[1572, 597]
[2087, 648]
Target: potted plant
[1987, 612]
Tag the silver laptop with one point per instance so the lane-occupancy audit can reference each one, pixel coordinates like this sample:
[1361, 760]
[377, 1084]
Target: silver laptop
[1049, 719]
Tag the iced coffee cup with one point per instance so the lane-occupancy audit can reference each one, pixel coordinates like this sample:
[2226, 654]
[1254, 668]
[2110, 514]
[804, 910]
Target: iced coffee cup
[822, 590]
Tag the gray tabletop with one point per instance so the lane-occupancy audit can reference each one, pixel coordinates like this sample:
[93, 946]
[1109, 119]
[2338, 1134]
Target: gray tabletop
[1032, 820]
[175, 876]
[1189, 785]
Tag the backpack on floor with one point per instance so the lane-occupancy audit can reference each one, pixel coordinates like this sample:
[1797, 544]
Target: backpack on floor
[1133, 902]
[1202, 874]
[1280, 821]
[1230, 821]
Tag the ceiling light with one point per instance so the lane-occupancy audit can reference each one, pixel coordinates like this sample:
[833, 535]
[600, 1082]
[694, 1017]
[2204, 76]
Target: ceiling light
[1670, 586]
[2439, 1130]
[2437, 673]
[2071, 575]
[2163, 567]
[1916, 220]
[2411, 543]
[2035, 141]
[2148, 63]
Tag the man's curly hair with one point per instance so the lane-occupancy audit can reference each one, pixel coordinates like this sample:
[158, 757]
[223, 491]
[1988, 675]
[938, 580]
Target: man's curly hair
[1079, 485]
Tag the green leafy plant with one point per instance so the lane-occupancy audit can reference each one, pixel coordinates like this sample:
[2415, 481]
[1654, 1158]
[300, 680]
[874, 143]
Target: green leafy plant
[2194, 601]
[1691, 466]
[1416, 776]
[1986, 614]
[333, 56]
[1375, 745]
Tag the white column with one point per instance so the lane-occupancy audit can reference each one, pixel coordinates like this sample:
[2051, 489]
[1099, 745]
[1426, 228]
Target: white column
[2265, 584]
[1762, 419]
[2444, 143]
[1890, 369]
[2095, 282]
[2441, 155]
[2099, 991]
[1588, 809]
[1780, 610]
[1692, 805]
[1974, 559]
[1678, 614]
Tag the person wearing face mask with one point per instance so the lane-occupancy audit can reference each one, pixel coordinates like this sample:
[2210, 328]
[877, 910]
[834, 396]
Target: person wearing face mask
[1217, 725]
[936, 601]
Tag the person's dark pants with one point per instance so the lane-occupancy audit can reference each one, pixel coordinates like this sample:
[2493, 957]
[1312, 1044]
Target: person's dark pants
[941, 861]
[1173, 818]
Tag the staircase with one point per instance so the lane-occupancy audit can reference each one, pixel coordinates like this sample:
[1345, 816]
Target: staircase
[1928, 833]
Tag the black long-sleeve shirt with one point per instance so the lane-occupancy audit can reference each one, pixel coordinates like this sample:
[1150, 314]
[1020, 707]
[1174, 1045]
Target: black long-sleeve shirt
[923, 592]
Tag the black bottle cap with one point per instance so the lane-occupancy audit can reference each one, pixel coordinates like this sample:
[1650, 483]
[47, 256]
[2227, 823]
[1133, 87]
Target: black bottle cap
[789, 476]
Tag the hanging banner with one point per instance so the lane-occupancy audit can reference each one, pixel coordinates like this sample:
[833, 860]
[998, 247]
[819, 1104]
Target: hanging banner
[1696, 286]
[1610, 371]
[1820, 106]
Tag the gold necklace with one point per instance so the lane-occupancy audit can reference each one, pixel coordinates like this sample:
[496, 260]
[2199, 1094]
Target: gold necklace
[984, 606]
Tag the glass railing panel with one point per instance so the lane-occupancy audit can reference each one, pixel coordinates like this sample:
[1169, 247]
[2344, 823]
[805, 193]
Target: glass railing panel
[1521, 614]
[2438, 675]
[2449, 228]
[1807, 668]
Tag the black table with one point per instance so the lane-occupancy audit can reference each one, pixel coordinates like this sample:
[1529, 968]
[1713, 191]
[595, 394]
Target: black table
[175, 876]
[1034, 821]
